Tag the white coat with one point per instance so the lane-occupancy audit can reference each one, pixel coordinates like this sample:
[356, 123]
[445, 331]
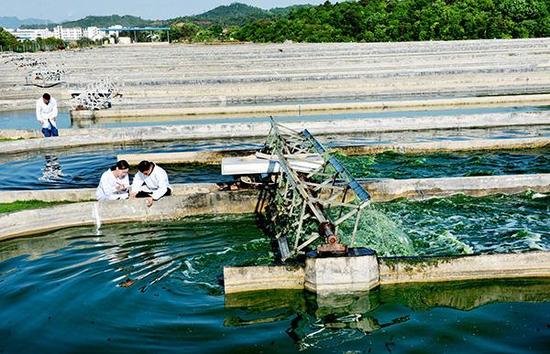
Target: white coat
[156, 183]
[46, 112]
[107, 189]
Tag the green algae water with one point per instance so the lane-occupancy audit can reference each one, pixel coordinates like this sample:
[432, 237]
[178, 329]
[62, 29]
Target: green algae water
[156, 288]
[481, 163]
[465, 225]
[454, 225]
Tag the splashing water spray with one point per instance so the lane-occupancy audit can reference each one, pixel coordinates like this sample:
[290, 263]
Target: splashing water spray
[95, 215]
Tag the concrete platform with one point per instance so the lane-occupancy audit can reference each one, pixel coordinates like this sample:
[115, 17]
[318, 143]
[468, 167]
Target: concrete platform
[397, 270]
[381, 190]
[70, 138]
[312, 108]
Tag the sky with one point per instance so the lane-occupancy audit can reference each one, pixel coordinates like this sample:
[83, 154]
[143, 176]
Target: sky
[62, 10]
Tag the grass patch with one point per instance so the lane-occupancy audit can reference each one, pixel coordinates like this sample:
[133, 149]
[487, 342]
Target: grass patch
[27, 204]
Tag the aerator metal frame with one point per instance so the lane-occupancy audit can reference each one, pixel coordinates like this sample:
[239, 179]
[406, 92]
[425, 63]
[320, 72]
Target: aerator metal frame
[96, 95]
[300, 208]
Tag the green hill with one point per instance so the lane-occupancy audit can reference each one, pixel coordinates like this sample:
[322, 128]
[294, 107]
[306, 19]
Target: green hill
[234, 14]
[106, 21]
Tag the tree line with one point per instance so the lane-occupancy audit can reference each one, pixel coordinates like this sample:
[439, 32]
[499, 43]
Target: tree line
[353, 21]
[404, 20]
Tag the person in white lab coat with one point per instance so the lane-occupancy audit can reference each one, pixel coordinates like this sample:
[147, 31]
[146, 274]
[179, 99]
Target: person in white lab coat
[46, 114]
[114, 182]
[150, 182]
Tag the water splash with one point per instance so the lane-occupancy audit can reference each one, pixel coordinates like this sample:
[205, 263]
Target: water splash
[464, 225]
[378, 231]
[95, 215]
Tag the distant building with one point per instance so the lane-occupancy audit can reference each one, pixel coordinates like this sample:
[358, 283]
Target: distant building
[31, 34]
[66, 34]
[93, 33]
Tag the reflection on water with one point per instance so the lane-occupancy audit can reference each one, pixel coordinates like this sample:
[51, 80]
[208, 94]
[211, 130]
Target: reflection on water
[52, 171]
[83, 169]
[326, 321]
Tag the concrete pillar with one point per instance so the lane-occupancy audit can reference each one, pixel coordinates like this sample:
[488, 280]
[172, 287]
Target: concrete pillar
[341, 274]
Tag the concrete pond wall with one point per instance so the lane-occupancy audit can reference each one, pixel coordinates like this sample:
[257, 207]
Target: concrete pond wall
[36, 221]
[363, 273]
[308, 108]
[106, 136]
[380, 189]
[181, 75]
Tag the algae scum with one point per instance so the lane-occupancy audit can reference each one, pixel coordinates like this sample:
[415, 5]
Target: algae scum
[480, 163]
[456, 225]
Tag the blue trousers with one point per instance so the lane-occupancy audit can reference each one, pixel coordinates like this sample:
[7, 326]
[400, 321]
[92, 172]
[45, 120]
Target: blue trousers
[52, 131]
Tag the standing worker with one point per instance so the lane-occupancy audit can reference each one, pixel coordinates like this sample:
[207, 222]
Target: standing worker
[46, 114]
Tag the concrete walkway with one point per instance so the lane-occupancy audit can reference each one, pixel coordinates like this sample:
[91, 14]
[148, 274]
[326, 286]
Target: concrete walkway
[381, 190]
[312, 108]
[102, 136]
[181, 75]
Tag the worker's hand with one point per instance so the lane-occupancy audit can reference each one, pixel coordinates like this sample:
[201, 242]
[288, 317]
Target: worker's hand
[149, 201]
[121, 187]
[133, 194]
[41, 122]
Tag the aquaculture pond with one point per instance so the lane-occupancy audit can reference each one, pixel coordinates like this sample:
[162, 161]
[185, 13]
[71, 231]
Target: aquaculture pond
[450, 164]
[27, 119]
[156, 288]
[465, 225]
[82, 169]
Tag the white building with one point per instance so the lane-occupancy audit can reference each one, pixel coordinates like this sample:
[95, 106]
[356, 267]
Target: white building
[93, 33]
[68, 34]
[31, 34]
[115, 30]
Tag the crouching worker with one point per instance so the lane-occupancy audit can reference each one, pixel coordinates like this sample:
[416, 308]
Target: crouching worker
[114, 182]
[150, 182]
